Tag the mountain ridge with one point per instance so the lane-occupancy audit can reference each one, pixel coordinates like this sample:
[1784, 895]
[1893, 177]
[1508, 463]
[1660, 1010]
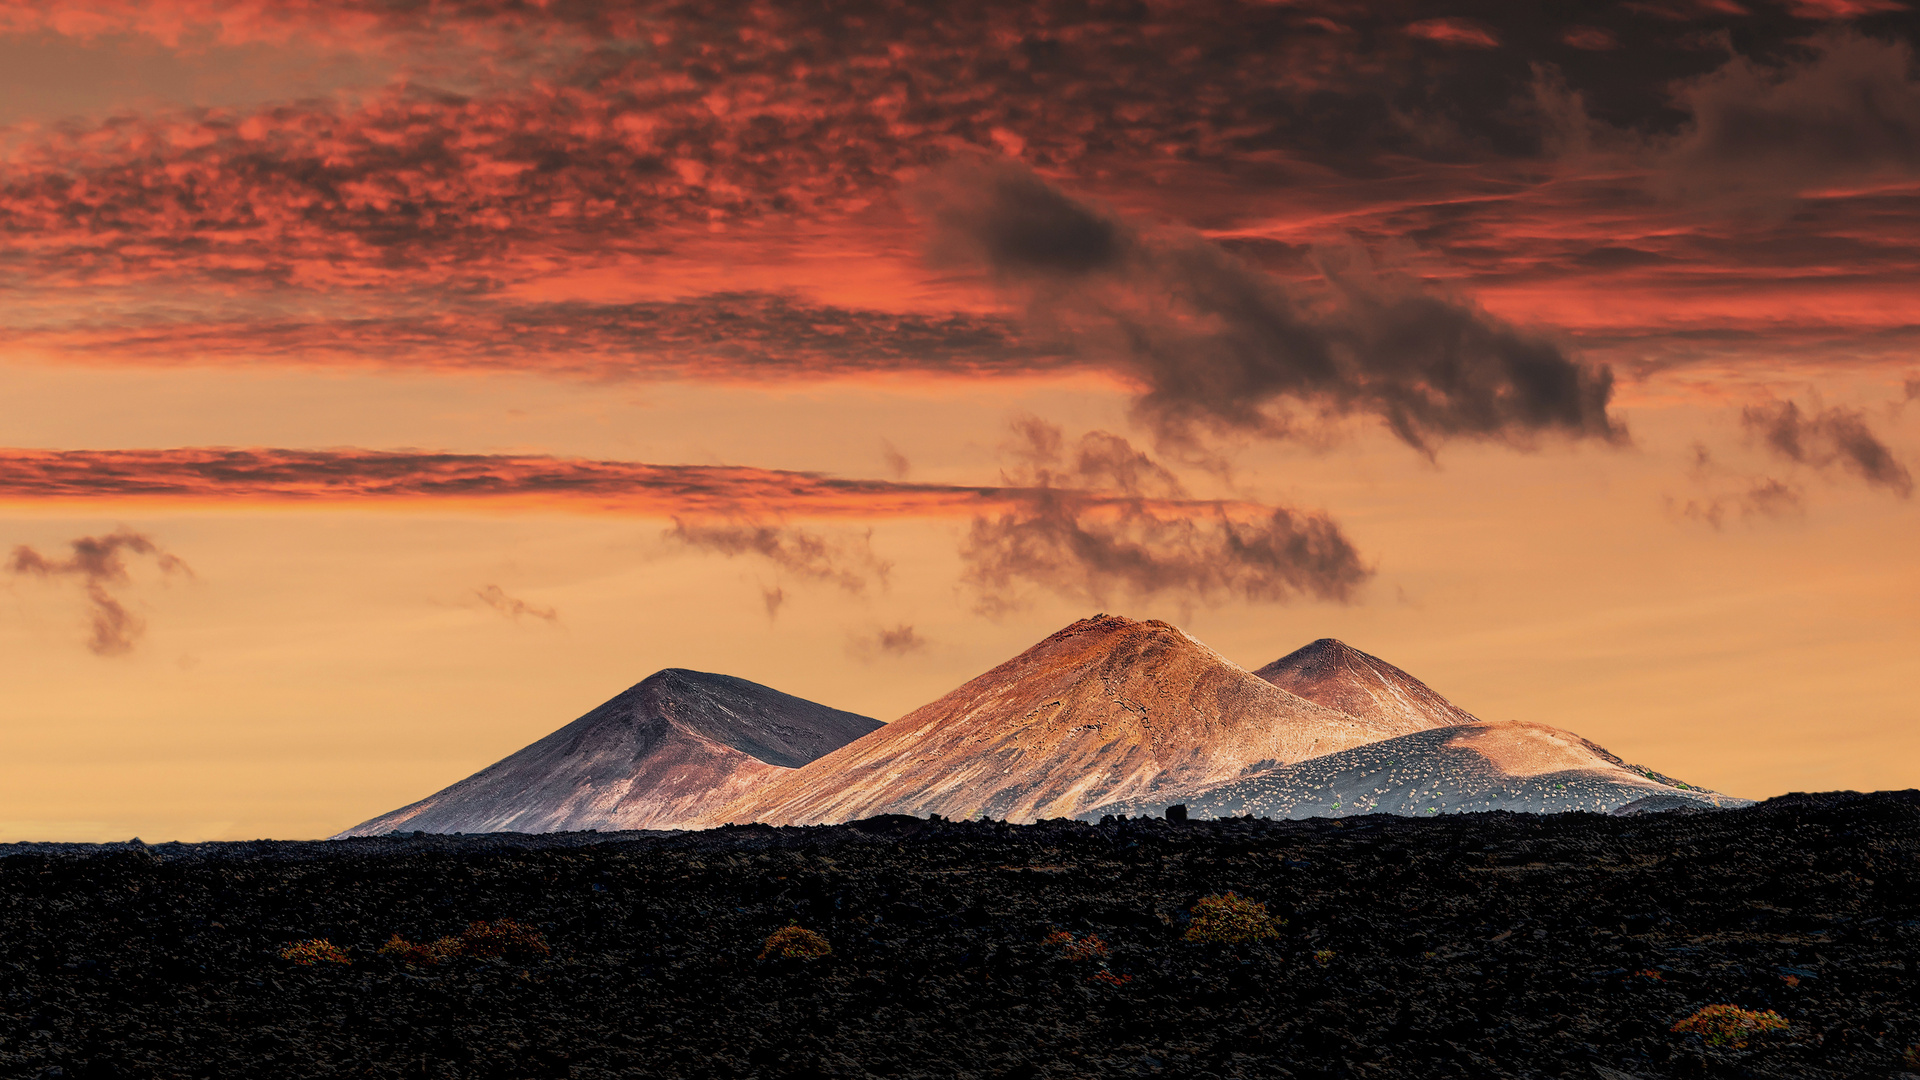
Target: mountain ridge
[655, 756]
[1104, 709]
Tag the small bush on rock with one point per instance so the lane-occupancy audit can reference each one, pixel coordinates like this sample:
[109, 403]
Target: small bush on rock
[1231, 919]
[1730, 1025]
[503, 937]
[795, 943]
[1086, 948]
[409, 953]
[315, 951]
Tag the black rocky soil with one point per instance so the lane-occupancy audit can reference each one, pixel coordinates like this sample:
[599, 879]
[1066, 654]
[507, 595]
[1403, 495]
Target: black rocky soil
[1491, 945]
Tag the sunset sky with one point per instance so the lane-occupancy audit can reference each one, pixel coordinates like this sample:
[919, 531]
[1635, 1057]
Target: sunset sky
[384, 385]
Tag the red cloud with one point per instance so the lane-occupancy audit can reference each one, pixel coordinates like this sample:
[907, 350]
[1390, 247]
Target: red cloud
[1110, 535]
[1461, 33]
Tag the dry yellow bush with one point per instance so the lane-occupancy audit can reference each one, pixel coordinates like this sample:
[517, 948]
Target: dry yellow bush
[315, 951]
[795, 943]
[1231, 919]
[1730, 1025]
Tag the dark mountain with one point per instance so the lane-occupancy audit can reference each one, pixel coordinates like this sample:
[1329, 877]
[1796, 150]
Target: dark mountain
[1520, 767]
[1341, 677]
[1106, 709]
[669, 749]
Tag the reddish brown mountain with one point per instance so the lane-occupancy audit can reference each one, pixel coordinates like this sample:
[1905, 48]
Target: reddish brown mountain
[654, 757]
[1106, 710]
[1341, 677]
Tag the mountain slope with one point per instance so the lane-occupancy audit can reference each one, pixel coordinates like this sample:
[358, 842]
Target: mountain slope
[1104, 710]
[1460, 769]
[1339, 676]
[657, 756]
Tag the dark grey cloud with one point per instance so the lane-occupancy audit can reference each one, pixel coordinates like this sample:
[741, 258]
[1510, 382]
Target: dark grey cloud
[1825, 438]
[513, 607]
[1099, 520]
[1215, 345]
[1845, 109]
[847, 561]
[99, 563]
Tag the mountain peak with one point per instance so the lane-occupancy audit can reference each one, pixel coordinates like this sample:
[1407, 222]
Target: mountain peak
[655, 756]
[1333, 673]
[1104, 709]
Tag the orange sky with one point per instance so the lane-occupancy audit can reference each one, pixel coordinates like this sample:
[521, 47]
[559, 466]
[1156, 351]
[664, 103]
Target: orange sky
[382, 390]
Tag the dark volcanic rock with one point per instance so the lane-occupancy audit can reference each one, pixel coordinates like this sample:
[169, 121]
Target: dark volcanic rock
[658, 756]
[1474, 945]
[1466, 768]
[1332, 673]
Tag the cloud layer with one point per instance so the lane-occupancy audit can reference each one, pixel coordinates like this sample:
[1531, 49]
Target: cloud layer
[408, 226]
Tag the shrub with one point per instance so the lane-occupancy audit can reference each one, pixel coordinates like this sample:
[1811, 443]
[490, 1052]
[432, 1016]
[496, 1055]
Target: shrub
[1231, 919]
[1087, 948]
[315, 951]
[1323, 957]
[1730, 1025]
[1912, 1056]
[795, 943]
[409, 953]
[1109, 978]
[502, 937]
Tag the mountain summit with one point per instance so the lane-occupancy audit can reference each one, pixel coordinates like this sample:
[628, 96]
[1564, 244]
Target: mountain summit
[1105, 710]
[654, 757]
[1332, 673]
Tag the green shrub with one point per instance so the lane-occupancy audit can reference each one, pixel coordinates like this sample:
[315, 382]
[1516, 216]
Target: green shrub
[795, 943]
[1730, 1025]
[1231, 919]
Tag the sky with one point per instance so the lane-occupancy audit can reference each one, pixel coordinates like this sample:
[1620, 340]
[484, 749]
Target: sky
[383, 385]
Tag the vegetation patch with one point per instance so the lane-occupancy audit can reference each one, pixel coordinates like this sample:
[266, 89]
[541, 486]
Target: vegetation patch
[795, 943]
[315, 951]
[1231, 919]
[1730, 1025]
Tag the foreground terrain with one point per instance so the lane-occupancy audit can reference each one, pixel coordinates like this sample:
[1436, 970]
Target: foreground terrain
[1489, 945]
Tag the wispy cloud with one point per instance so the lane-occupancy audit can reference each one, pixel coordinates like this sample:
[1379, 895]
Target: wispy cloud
[513, 607]
[1826, 438]
[847, 561]
[1103, 519]
[99, 564]
[898, 640]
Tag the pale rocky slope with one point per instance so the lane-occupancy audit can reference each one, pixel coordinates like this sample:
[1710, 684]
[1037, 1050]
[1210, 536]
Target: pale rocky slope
[1106, 710]
[1332, 673]
[1463, 768]
[655, 757]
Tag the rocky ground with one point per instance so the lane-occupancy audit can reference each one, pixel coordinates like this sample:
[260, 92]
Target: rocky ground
[1491, 945]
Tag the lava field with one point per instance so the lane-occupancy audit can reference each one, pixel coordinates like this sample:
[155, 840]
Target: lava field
[1473, 945]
